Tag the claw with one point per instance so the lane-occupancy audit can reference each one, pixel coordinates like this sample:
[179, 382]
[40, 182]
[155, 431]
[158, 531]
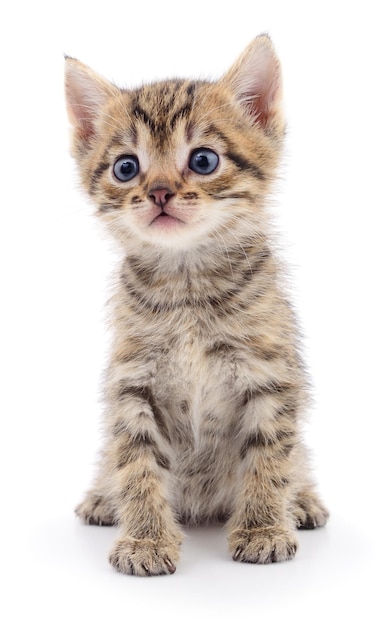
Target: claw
[170, 565]
[238, 552]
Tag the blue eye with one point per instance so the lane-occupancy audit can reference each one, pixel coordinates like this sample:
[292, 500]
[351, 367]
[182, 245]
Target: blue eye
[203, 161]
[126, 168]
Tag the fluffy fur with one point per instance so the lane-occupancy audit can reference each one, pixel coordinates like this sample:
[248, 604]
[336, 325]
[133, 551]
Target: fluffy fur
[205, 387]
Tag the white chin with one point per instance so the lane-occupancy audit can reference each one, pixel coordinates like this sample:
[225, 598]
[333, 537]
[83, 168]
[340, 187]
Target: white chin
[171, 233]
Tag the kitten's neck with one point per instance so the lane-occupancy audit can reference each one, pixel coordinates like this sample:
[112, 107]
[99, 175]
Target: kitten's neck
[197, 274]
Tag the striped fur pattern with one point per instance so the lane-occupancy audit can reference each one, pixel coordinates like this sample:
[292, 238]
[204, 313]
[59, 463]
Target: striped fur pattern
[205, 389]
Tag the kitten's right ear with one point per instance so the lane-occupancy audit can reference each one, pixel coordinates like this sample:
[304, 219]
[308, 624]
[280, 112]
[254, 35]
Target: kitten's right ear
[86, 94]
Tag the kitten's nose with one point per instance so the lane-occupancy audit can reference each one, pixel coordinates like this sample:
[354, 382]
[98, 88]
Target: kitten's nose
[160, 195]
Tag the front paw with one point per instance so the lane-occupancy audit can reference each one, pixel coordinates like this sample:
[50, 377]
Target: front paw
[145, 557]
[309, 512]
[262, 545]
[96, 510]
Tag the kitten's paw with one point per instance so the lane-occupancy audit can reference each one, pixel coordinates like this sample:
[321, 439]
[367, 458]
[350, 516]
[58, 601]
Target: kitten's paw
[309, 512]
[144, 557]
[96, 510]
[262, 545]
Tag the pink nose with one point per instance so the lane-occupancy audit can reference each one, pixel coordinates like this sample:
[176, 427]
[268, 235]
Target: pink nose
[160, 195]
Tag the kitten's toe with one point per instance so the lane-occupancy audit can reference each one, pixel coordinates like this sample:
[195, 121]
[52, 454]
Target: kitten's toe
[144, 557]
[309, 512]
[262, 545]
[96, 510]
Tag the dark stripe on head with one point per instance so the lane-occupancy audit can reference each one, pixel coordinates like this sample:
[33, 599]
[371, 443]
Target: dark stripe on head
[142, 115]
[97, 174]
[242, 195]
[133, 134]
[180, 114]
[118, 140]
[245, 165]
[189, 130]
[190, 89]
[214, 130]
[185, 109]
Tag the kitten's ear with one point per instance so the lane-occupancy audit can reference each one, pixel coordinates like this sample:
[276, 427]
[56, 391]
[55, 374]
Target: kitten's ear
[86, 94]
[255, 81]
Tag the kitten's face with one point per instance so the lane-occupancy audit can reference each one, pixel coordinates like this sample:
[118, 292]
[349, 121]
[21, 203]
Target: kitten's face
[174, 163]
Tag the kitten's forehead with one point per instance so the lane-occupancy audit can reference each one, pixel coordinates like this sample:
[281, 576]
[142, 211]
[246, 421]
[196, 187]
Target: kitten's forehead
[162, 106]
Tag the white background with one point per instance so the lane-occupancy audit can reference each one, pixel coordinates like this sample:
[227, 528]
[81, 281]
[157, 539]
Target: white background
[54, 269]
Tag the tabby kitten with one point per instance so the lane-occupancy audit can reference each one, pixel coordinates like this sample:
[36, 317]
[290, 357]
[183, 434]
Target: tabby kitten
[205, 387]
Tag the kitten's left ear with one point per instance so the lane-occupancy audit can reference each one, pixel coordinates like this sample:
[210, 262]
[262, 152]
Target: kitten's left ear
[255, 81]
[86, 94]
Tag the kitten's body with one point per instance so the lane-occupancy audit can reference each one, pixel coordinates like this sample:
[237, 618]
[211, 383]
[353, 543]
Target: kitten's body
[205, 387]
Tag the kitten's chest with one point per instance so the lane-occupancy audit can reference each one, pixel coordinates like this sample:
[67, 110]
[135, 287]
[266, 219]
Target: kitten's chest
[195, 387]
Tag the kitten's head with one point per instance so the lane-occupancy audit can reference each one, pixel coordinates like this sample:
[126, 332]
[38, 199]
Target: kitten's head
[179, 162]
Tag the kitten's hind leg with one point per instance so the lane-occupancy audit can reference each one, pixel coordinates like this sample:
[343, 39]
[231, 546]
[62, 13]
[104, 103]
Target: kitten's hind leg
[96, 510]
[309, 512]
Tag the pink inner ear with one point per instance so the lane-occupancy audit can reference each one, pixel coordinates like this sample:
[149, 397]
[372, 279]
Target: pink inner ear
[263, 102]
[86, 94]
[80, 107]
[256, 81]
[83, 120]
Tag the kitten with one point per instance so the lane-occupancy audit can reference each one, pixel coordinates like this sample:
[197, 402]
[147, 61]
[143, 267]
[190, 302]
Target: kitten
[205, 388]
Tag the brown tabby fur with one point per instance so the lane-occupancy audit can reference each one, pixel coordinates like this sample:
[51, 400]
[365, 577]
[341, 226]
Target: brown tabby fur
[205, 388]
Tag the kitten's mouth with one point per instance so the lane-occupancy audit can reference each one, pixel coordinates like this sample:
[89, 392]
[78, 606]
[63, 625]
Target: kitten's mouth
[165, 220]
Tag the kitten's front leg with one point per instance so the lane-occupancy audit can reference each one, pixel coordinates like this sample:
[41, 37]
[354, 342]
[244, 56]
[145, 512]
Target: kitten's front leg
[261, 528]
[140, 456]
